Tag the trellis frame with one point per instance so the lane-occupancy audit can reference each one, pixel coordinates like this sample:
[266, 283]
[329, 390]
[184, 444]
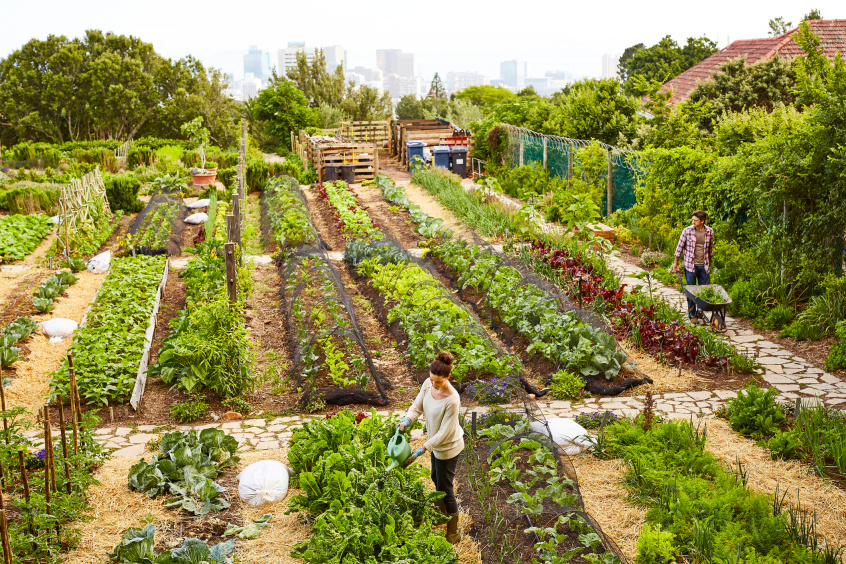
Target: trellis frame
[76, 202]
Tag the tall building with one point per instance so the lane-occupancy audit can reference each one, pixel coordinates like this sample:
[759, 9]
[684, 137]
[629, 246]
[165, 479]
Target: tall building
[457, 81]
[399, 86]
[394, 61]
[288, 56]
[250, 86]
[257, 62]
[373, 78]
[513, 73]
[609, 64]
[335, 55]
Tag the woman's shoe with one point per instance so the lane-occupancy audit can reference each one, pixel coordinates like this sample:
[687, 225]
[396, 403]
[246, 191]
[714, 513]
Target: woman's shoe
[452, 534]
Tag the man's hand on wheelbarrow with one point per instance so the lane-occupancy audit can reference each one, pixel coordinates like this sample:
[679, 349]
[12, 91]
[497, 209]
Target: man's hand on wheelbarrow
[676, 265]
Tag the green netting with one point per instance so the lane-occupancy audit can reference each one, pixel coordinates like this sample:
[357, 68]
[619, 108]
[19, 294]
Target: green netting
[527, 147]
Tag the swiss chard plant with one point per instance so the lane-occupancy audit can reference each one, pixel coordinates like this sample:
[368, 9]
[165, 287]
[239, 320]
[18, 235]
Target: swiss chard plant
[184, 470]
[350, 215]
[21, 234]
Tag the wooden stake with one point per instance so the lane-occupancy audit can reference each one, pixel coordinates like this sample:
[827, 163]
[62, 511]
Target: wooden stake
[24, 479]
[74, 413]
[3, 407]
[231, 272]
[64, 440]
[48, 448]
[4, 531]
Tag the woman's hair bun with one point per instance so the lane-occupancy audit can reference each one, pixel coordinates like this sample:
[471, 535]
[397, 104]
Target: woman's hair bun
[445, 357]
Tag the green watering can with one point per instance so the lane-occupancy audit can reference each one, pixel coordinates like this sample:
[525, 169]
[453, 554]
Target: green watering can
[398, 449]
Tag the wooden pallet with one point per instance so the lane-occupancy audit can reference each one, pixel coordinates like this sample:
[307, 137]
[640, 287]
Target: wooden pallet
[377, 132]
[365, 157]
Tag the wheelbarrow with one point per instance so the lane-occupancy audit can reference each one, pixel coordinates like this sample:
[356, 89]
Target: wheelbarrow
[714, 314]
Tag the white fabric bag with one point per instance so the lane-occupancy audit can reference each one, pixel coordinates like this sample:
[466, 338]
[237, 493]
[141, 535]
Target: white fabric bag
[565, 433]
[204, 203]
[197, 218]
[263, 482]
[100, 263]
[58, 328]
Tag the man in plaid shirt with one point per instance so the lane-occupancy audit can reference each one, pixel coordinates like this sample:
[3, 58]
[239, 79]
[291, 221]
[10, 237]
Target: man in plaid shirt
[697, 244]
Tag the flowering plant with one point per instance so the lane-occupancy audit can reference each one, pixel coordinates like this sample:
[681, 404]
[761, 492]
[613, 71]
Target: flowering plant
[496, 390]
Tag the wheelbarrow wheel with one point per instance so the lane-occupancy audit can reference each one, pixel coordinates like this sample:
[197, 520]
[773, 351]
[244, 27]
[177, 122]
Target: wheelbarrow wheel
[715, 324]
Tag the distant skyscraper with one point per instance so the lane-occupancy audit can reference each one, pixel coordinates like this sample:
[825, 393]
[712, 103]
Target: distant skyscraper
[399, 86]
[609, 64]
[394, 61]
[335, 55]
[257, 62]
[288, 56]
[513, 73]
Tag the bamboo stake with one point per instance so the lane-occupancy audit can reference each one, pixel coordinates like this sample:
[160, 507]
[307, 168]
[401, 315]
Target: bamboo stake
[74, 412]
[64, 440]
[24, 479]
[5, 426]
[48, 448]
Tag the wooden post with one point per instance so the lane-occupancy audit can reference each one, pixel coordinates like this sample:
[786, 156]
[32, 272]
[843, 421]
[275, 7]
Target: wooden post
[520, 160]
[231, 272]
[610, 206]
[569, 163]
[236, 211]
[230, 227]
[24, 479]
[48, 448]
[545, 140]
[4, 531]
[64, 439]
[75, 415]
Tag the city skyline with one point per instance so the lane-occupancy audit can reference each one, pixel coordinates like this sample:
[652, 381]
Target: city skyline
[573, 44]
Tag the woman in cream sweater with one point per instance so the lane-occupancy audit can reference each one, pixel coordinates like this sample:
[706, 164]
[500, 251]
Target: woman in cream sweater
[439, 401]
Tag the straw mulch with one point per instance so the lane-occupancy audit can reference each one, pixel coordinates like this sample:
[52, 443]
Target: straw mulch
[115, 509]
[32, 375]
[605, 498]
[40, 252]
[666, 378]
[8, 282]
[814, 493]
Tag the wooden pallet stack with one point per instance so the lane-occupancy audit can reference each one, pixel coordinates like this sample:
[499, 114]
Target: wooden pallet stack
[378, 132]
[431, 132]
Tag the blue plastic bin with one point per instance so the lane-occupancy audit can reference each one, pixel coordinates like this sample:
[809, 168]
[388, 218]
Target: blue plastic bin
[415, 148]
[441, 155]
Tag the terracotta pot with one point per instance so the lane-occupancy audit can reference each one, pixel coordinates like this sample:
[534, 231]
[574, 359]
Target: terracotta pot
[203, 179]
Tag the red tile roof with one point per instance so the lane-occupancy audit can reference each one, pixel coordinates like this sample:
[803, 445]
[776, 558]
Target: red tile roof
[831, 32]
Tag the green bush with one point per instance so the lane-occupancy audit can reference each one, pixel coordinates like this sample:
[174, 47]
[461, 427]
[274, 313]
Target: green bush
[122, 192]
[189, 411]
[524, 182]
[26, 198]
[227, 177]
[780, 316]
[754, 412]
[257, 174]
[837, 356]
[655, 546]
[785, 445]
[745, 298]
[801, 330]
[140, 155]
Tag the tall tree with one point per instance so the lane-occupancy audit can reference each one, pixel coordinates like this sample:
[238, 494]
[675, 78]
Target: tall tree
[779, 26]
[316, 81]
[280, 109]
[485, 95]
[665, 60]
[623, 63]
[812, 15]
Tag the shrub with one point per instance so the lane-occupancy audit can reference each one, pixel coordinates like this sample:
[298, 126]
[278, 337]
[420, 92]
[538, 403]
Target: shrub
[824, 311]
[837, 356]
[227, 177]
[189, 411]
[779, 317]
[566, 386]
[240, 405]
[651, 259]
[139, 155]
[257, 174]
[785, 445]
[26, 198]
[745, 299]
[122, 192]
[802, 330]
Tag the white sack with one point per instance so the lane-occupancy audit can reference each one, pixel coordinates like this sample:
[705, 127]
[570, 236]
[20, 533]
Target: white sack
[197, 218]
[58, 328]
[565, 432]
[263, 482]
[204, 203]
[100, 263]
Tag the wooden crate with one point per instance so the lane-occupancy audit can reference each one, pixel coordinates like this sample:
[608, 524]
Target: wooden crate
[378, 132]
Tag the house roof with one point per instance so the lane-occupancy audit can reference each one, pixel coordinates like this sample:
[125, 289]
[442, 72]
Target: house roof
[831, 32]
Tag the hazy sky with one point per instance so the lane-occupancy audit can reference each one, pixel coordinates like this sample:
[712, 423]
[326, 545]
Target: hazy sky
[444, 36]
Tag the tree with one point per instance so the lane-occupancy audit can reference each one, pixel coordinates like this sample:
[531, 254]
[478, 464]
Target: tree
[528, 92]
[365, 104]
[409, 107]
[623, 63]
[436, 89]
[316, 82]
[779, 26]
[282, 108]
[485, 95]
[665, 60]
[812, 15]
[105, 86]
[738, 87]
[595, 109]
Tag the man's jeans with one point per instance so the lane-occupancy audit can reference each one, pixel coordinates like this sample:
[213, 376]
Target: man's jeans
[699, 275]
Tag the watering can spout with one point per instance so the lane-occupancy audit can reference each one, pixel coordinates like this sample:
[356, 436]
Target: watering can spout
[398, 449]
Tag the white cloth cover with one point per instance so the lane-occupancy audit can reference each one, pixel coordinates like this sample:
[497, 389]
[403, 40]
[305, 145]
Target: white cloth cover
[565, 432]
[197, 218]
[58, 328]
[204, 203]
[263, 482]
[100, 263]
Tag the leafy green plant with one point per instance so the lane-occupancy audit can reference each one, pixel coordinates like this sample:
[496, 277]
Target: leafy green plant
[250, 531]
[190, 460]
[238, 404]
[350, 216]
[655, 546]
[566, 386]
[43, 305]
[136, 546]
[21, 234]
[286, 213]
[754, 412]
[784, 445]
[75, 264]
[710, 295]
[189, 411]
[837, 355]
[650, 259]
[780, 316]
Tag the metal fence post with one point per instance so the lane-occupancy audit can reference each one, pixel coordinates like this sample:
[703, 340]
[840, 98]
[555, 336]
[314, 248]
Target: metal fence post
[545, 140]
[231, 272]
[610, 184]
[569, 163]
[520, 160]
